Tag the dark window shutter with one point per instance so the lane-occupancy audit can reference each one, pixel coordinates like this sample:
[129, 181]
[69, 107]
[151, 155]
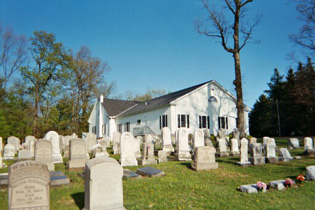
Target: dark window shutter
[227, 124]
[208, 121]
[199, 121]
[160, 123]
[178, 117]
[219, 122]
[187, 121]
[166, 121]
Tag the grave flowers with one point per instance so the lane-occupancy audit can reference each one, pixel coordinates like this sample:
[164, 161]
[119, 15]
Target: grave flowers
[300, 178]
[261, 185]
[288, 183]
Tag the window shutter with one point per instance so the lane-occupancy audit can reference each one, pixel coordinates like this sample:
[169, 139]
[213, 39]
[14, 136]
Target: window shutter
[219, 122]
[160, 123]
[187, 121]
[208, 121]
[199, 121]
[166, 121]
[178, 117]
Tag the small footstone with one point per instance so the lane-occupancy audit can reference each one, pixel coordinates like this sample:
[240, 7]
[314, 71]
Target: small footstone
[150, 172]
[128, 174]
[297, 157]
[4, 179]
[57, 178]
[310, 173]
[278, 184]
[251, 188]
[243, 164]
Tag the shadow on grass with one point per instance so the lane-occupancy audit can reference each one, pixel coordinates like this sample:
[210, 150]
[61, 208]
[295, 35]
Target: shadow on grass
[78, 199]
[229, 160]
[188, 165]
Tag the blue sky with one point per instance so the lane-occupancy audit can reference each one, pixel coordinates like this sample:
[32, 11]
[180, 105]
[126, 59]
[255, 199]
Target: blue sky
[153, 44]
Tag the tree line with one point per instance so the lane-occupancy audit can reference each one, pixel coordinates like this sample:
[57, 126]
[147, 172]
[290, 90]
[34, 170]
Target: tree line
[45, 86]
[288, 107]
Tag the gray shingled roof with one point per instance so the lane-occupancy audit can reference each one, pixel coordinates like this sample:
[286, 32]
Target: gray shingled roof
[160, 101]
[114, 107]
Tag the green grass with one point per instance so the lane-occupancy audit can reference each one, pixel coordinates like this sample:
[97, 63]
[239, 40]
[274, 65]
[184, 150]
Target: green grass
[183, 188]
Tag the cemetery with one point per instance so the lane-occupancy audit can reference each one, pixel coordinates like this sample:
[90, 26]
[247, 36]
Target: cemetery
[68, 172]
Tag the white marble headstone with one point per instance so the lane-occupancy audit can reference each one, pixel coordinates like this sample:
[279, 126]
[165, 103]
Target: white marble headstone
[128, 148]
[53, 137]
[199, 138]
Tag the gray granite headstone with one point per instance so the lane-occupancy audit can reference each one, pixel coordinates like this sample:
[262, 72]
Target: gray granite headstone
[150, 172]
[148, 151]
[29, 186]
[103, 184]
[128, 174]
[310, 173]
[251, 188]
[204, 158]
[278, 184]
[285, 154]
[256, 154]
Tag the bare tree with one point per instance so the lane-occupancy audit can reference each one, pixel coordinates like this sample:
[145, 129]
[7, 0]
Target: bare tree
[12, 52]
[228, 24]
[306, 36]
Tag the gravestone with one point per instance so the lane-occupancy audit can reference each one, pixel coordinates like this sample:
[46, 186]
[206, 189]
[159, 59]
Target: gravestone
[167, 141]
[28, 186]
[107, 141]
[148, 151]
[244, 153]
[103, 184]
[271, 156]
[61, 144]
[265, 138]
[310, 173]
[53, 137]
[31, 146]
[150, 172]
[234, 147]
[236, 134]
[182, 146]
[103, 143]
[128, 174]
[8, 151]
[43, 153]
[77, 154]
[251, 188]
[138, 142]
[128, 147]
[90, 141]
[162, 156]
[1, 164]
[98, 151]
[285, 155]
[1, 144]
[15, 142]
[199, 138]
[222, 148]
[308, 146]
[278, 184]
[204, 158]
[256, 154]
[24, 154]
[116, 142]
[293, 143]
[253, 140]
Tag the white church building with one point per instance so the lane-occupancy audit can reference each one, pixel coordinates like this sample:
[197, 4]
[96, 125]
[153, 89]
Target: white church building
[208, 106]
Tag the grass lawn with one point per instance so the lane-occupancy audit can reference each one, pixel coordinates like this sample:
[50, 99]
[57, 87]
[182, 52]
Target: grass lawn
[183, 188]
